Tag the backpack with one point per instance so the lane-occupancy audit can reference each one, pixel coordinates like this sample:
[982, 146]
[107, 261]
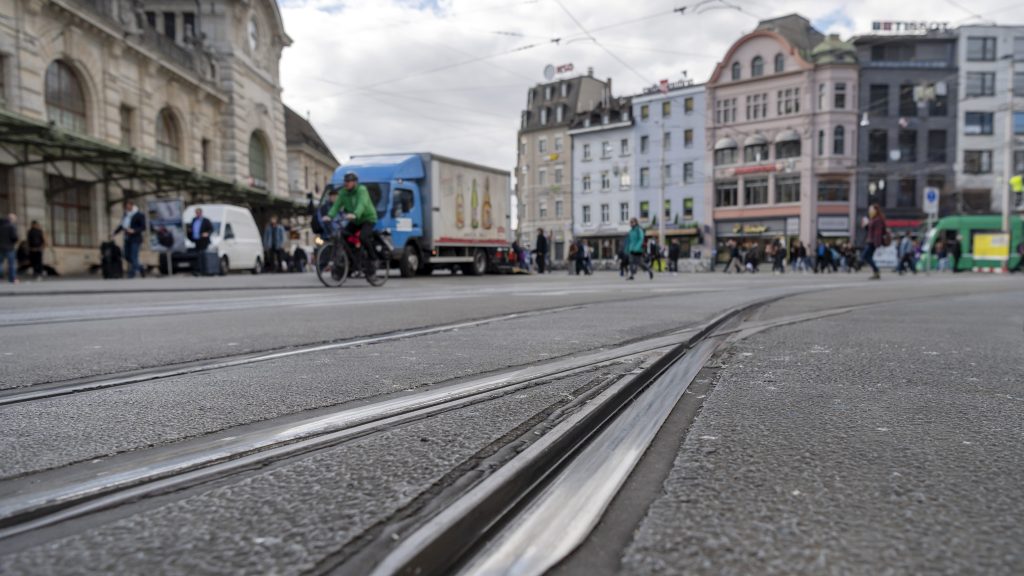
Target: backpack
[886, 237]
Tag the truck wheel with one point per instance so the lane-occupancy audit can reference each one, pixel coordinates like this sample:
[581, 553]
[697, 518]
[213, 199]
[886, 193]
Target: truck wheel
[410, 262]
[258, 267]
[225, 266]
[479, 265]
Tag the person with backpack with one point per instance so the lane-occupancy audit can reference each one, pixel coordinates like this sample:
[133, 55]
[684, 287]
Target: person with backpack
[635, 248]
[876, 237]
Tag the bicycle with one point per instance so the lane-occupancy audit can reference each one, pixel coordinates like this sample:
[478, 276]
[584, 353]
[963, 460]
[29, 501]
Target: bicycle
[342, 256]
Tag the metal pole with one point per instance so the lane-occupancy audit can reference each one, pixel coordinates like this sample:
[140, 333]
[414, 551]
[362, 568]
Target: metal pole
[1008, 161]
[661, 194]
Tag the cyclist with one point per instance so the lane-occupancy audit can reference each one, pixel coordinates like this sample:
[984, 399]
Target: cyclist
[354, 204]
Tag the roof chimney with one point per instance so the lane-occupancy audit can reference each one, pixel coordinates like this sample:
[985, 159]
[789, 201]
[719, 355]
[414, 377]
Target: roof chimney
[590, 71]
[608, 93]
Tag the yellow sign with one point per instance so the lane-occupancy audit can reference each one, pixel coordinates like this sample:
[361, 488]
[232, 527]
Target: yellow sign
[749, 229]
[1017, 183]
[991, 246]
[553, 157]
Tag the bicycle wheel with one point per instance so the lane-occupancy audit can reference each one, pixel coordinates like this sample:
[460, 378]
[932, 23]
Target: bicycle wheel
[378, 269]
[331, 265]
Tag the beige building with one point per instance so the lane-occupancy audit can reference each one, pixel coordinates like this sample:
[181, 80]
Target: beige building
[146, 99]
[544, 166]
[310, 162]
[781, 131]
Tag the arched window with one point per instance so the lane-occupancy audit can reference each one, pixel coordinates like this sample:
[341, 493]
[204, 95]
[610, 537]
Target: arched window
[168, 137]
[259, 161]
[838, 141]
[65, 99]
[735, 70]
[780, 63]
[757, 67]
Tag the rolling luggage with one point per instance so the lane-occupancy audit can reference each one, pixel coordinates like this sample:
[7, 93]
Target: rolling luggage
[111, 262]
[209, 263]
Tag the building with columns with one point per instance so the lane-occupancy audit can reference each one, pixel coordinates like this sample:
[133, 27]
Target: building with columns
[782, 137]
[102, 100]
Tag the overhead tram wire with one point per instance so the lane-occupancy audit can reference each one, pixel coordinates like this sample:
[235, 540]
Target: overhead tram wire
[598, 42]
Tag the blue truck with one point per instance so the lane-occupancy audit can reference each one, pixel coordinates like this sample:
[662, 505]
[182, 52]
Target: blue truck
[439, 212]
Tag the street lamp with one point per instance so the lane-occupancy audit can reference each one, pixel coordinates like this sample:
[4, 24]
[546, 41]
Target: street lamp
[1008, 162]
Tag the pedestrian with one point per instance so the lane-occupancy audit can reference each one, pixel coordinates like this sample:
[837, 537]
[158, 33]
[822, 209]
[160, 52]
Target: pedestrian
[735, 262]
[36, 245]
[635, 247]
[133, 225]
[654, 255]
[300, 259]
[9, 246]
[714, 258]
[779, 255]
[199, 231]
[905, 252]
[576, 260]
[822, 262]
[588, 258]
[751, 259]
[1020, 258]
[273, 243]
[941, 256]
[673, 257]
[875, 237]
[541, 250]
[955, 252]
[802, 260]
[623, 262]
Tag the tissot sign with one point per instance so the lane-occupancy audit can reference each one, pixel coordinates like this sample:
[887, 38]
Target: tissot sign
[908, 27]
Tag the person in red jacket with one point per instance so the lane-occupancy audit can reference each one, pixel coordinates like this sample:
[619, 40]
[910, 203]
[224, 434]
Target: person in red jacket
[875, 234]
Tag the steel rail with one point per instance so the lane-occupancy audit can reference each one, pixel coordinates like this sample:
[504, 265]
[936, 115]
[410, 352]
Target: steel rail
[69, 494]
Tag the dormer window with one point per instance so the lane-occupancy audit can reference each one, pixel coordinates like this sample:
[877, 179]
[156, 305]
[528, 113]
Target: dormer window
[564, 90]
[543, 116]
[757, 67]
[780, 63]
[559, 114]
[548, 90]
[735, 70]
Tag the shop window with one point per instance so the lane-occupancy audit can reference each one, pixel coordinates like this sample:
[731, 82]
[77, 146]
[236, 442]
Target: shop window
[70, 213]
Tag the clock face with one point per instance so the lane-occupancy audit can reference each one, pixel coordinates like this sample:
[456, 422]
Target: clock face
[254, 34]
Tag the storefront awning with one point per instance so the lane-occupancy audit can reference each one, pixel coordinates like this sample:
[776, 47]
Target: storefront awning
[725, 143]
[85, 160]
[787, 136]
[755, 140]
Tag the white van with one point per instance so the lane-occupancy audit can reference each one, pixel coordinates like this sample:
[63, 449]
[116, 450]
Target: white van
[236, 238]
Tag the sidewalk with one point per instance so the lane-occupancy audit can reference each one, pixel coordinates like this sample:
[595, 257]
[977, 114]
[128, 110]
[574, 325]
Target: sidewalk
[886, 440]
[177, 283]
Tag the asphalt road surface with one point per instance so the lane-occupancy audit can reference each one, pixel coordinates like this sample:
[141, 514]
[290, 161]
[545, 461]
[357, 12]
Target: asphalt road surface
[842, 426]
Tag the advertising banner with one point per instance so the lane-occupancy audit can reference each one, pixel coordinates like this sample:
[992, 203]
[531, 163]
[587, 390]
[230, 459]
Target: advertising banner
[992, 246]
[166, 232]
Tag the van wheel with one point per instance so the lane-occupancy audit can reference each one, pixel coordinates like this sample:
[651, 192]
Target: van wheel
[410, 262]
[258, 268]
[224, 266]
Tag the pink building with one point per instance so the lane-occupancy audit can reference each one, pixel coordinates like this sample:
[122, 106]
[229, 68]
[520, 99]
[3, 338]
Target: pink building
[781, 132]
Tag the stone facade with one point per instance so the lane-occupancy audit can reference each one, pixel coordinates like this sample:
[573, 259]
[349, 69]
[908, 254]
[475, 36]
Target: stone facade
[207, 69]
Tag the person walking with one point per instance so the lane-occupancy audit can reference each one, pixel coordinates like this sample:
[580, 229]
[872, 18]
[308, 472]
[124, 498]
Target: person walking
[199, 231]
[273, 243]
[541, 250]
[36, 245]
[635, 248]
[955, 252]
[654, 256]
[802, 261]
[735, 262]
[673, 257]
[133, 225]
[9, 246]
[875, 238]
[623, 261]
[905, 252]
[779, 257]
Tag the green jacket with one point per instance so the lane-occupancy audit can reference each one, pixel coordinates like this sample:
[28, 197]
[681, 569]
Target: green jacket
[355, 202]
[635, 240]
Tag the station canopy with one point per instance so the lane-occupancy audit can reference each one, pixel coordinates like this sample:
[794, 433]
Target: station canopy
[85, 160]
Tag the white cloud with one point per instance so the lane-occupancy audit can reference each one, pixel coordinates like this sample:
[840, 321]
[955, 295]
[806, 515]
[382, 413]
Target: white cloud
[451, 76]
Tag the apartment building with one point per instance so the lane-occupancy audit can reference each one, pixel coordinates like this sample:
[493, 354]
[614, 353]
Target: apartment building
[669, 161]
[990, 125]
[781, 121]
[602, 183]
[908, 124]
[544, 153]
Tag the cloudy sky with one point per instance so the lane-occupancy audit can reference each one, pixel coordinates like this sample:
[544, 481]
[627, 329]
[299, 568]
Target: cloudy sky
[451, 76]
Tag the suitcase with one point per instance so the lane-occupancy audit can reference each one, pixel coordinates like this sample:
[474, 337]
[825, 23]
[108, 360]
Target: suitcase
[111, 262]
[209, 263]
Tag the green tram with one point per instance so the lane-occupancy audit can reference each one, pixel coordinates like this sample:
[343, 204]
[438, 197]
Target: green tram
[968, 228]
